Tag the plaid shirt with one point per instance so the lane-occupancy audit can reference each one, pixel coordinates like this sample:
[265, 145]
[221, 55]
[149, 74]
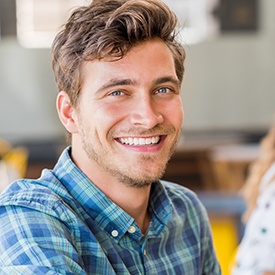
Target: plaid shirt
[61, 223]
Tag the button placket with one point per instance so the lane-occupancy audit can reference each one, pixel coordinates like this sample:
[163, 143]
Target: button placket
[144, 247]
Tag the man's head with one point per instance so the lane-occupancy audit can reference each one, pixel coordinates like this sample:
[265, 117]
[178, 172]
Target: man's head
[108, 29]
[119, 70]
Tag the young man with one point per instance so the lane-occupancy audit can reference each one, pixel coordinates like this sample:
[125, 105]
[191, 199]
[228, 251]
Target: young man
[103, 209]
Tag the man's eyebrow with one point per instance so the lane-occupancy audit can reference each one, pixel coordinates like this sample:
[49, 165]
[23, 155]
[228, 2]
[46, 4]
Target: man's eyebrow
[115, 82]
[164, 79]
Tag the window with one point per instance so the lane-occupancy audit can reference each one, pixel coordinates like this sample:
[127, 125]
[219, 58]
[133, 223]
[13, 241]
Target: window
[196, 18]
[39, 20]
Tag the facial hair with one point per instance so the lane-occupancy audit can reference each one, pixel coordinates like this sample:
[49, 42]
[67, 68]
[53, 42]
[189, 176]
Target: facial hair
[128, 175]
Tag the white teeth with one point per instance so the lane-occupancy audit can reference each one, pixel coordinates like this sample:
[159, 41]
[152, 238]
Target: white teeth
[136, 141]
[140, 141]
[148, 141]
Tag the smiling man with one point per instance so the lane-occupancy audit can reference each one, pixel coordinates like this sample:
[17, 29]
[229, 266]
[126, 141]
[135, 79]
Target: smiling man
[103, 208]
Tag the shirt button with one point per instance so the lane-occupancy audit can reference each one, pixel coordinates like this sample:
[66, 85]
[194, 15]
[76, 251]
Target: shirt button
[132, 229]
[114, 233]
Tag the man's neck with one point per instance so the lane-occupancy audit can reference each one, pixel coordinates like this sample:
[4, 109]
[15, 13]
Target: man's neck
[133, 201]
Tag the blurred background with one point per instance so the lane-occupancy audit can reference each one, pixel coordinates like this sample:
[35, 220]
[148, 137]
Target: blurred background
[228, 97]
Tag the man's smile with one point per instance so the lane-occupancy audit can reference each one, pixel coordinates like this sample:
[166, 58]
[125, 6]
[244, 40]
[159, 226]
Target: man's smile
[139, 141]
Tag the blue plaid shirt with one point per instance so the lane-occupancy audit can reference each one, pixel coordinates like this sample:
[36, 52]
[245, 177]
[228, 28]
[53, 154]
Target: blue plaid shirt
[62, 223]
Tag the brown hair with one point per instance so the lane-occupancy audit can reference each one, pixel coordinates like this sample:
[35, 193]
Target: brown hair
[257, 170]
[109, 29]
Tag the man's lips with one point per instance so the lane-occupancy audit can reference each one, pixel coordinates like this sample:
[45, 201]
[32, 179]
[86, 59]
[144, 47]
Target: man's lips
[139, 141]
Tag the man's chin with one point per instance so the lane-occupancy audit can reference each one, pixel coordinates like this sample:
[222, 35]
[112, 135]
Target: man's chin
[142, 179]
[139, 183]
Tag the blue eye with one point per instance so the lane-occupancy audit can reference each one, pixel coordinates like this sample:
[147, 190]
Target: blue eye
[163, 90]
[116, 93]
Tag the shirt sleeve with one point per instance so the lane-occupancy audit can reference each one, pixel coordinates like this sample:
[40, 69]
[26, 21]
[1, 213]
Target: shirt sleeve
[210, 261]
[33, 242]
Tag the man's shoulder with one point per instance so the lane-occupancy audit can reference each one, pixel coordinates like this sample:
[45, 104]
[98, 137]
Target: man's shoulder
[32, 194]
[183, 197]
[175, 189]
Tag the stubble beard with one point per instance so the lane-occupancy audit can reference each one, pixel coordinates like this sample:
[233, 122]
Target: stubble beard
[137, 179]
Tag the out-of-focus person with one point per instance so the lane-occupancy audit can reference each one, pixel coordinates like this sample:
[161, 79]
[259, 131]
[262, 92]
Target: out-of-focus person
[256, 252]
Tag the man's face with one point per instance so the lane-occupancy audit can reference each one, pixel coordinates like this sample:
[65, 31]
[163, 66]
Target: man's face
[129, 115]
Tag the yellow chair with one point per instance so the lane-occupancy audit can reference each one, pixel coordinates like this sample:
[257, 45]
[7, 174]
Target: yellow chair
[13, 165]
[225, 239]
[18, 159]
[4, 147]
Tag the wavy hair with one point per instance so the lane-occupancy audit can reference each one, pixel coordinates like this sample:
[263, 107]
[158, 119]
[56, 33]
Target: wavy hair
[257, 170]
[108, 29]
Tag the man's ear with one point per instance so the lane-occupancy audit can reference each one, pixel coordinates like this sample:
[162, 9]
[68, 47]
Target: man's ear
[66, 112]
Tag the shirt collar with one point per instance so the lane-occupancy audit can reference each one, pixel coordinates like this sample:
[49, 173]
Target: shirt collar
[160, 207]
[109, 216]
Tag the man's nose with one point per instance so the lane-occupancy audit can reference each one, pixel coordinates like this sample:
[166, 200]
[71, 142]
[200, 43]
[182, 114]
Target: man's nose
[146, 113]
